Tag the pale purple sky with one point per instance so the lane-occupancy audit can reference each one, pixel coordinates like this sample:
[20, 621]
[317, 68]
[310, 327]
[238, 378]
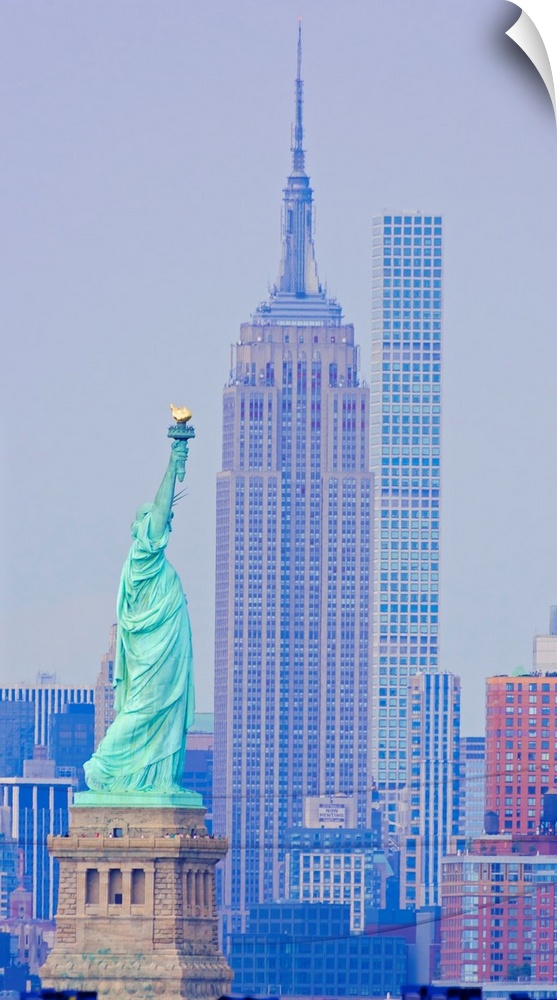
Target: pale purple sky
[145, 147]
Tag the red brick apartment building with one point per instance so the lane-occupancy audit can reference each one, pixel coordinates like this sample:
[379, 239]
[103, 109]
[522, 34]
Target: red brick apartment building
[498, 910]
[521, 749]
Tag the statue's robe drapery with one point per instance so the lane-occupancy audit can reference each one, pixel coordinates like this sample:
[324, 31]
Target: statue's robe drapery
[144, 747]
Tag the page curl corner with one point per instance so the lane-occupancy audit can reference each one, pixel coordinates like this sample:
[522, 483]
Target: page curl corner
[534, 32]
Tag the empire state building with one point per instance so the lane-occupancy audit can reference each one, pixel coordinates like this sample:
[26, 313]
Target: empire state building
[293, 566]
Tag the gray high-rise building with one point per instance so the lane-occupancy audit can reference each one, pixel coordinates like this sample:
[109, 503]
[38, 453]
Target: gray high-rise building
[405, 457]
[293, 567]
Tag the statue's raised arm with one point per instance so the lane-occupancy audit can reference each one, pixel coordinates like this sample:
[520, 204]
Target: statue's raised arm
[162, 507]
[143, 750]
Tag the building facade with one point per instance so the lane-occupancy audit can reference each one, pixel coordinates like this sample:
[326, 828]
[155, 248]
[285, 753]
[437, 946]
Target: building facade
[405, 458]
[39, 806]
[9, 862]
[47, 699]
[433, 792]
[337, 866]
[72, 741]
[199, 761]
[104, 688]
[498, 911]
[17, 736]
[306, 949]
[521, 748]
[293, 566]
[472, 786]
[545, 646]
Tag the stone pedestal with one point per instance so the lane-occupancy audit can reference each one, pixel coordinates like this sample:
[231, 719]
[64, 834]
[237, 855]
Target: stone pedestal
[136, 905]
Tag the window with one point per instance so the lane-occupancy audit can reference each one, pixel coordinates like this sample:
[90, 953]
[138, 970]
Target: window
[115, 886]
[138, 886]
[92, 885]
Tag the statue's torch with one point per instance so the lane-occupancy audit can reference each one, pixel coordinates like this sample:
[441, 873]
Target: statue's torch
[181, 431]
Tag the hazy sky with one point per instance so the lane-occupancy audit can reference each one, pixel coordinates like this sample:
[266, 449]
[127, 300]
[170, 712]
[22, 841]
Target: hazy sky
[145, 147]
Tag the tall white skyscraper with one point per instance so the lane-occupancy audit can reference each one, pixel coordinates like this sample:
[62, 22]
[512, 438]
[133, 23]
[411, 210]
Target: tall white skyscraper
[405, 457]
[293, 567]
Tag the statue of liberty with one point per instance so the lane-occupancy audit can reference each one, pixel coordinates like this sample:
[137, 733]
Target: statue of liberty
[143, 750]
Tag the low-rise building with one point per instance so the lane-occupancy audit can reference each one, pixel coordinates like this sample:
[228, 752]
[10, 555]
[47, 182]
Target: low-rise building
[306, 949]
[337, 866]
[331, 860]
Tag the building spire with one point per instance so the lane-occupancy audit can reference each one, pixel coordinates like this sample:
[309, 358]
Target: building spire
[298, 293]
[298, 164]
[298, 269]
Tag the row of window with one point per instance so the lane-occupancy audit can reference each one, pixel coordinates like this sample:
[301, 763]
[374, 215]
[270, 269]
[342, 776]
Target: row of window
[115, 886]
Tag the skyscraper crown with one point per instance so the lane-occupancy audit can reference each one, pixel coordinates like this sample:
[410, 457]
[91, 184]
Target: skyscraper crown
[298, 295]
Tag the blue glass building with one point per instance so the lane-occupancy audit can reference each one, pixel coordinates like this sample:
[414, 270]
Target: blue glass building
[198, 762]
[72, 740]
[405, 457]
[293, 567]
[17, 730]
[306, 949]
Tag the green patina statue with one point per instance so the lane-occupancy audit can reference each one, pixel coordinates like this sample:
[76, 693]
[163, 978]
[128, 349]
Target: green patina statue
[143, 750]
